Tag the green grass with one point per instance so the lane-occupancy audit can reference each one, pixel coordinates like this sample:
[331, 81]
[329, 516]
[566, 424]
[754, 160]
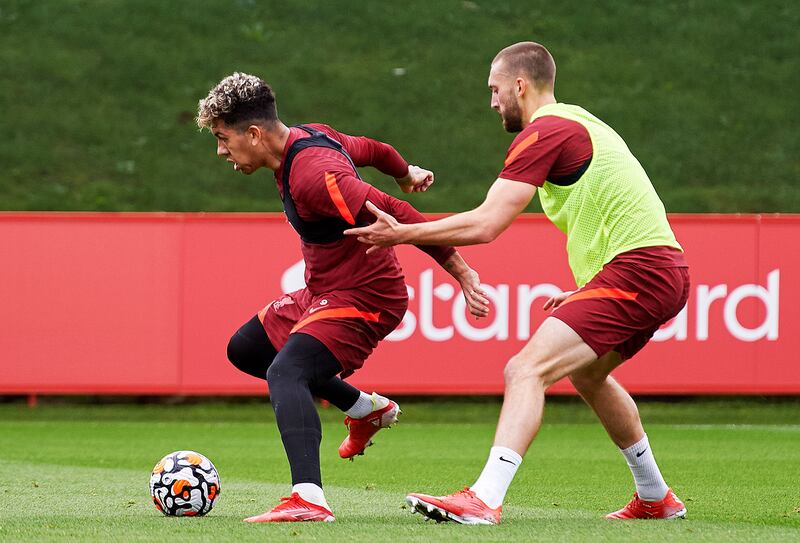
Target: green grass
[98, 95]
[79, 471]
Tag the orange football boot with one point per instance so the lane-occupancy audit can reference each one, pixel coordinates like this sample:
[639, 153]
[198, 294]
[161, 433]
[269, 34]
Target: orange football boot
[294, 509]
[361, 430]
[463, 507]
[668, 508]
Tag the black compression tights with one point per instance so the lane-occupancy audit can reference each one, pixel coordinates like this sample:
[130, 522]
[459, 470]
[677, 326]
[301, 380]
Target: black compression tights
[302, 369]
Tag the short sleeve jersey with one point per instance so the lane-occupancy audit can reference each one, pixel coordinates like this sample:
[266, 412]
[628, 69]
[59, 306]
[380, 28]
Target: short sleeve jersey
[560, 150]
[551, 149]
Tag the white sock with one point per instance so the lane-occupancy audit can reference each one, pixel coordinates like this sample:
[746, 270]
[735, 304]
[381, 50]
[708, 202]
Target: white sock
[366, 404]
[311, 493]
[650, 484]
[496, 476]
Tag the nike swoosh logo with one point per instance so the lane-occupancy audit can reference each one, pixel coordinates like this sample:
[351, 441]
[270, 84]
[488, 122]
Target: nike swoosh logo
[313, 309]
[507, 460]
[638, 454]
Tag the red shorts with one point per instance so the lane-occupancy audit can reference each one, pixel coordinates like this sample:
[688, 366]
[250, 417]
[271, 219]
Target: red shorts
[350, 323]
[628, 300]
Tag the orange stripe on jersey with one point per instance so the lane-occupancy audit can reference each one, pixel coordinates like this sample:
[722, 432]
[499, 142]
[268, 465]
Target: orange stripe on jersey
[338, 199]
[338, 312]
[524, 144]
[263, 314]
[600, 293]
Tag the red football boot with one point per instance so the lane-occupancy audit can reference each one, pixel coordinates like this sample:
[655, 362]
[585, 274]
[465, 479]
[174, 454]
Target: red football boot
[294, 509]
[463, 507]
[362, 430]
[668, 508]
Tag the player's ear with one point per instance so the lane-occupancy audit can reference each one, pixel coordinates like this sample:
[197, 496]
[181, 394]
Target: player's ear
[521, 86]
[254, 134]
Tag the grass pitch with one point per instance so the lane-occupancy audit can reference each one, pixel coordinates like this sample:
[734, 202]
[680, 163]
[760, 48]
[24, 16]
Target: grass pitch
[72, 471]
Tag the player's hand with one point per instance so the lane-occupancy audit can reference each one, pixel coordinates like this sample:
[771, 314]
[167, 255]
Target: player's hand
[557, 300]
[384, 232]
[417, 180]
[475, 296]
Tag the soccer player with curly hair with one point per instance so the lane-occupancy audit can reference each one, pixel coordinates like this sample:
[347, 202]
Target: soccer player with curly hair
[306, 341]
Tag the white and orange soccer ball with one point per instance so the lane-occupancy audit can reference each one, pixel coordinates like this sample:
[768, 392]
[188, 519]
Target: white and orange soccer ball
[184, 483]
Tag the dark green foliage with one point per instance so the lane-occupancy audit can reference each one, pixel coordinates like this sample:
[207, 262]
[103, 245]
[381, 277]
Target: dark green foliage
[98, 96]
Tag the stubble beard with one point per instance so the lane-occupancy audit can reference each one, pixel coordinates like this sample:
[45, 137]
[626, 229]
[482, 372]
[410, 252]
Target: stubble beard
[512, 117]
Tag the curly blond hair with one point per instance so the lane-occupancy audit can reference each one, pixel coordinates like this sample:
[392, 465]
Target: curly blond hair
[239, 98]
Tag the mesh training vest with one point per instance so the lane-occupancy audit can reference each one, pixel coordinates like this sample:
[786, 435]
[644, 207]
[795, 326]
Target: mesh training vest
[321, 231]
[611, 209]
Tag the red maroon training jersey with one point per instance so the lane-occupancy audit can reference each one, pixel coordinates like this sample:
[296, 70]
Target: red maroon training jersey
[323, 185]
[551, 149]
[559, 150]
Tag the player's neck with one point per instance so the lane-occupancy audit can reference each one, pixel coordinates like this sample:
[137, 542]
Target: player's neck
[535, 103]
[275, 145]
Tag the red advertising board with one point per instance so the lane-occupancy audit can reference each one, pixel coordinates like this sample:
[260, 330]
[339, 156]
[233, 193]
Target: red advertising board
[145, 304]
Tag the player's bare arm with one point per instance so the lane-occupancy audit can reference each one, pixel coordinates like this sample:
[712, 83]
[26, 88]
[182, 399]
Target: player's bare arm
[505, 200]
[447, 257]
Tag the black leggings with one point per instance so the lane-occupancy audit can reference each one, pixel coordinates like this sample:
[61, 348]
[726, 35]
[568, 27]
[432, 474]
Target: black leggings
[302, 369]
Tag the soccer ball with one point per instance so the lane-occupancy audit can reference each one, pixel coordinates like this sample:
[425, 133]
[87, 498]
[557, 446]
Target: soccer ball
[184, 483]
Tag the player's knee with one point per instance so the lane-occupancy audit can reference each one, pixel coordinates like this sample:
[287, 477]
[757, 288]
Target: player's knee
[239, 352]
[275, 371]
[234, 350]
[519, 369]
[284, 369]
[250, 356]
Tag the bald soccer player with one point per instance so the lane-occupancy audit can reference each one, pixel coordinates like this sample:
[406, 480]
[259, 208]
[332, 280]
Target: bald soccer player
[629, 270]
